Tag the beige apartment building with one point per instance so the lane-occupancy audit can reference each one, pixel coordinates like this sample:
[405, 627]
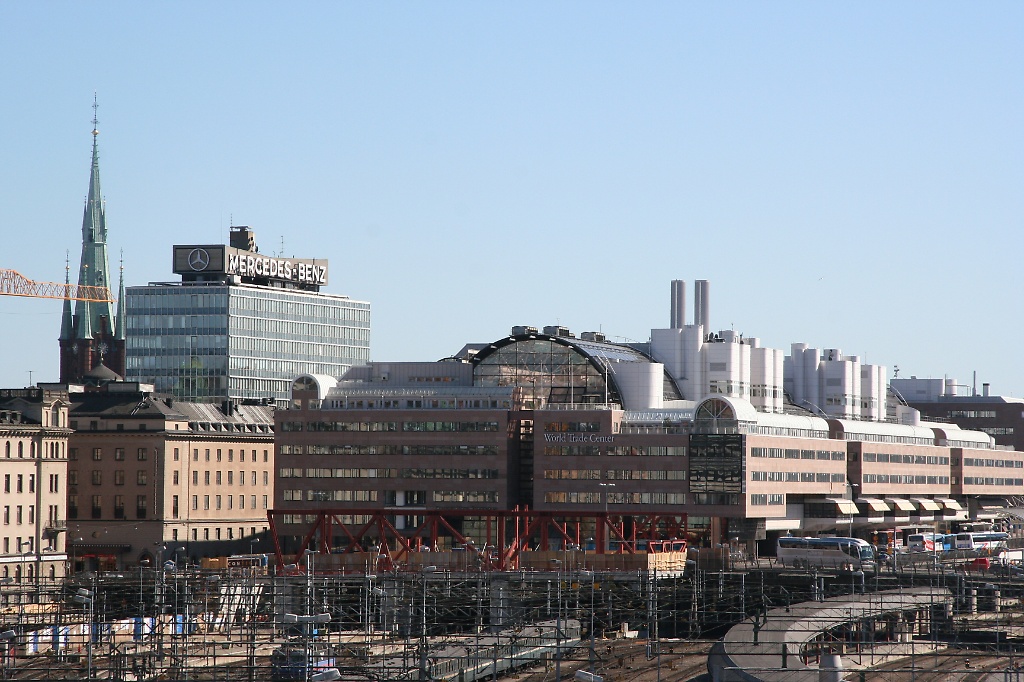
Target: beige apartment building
[33, 465]
[154, 479]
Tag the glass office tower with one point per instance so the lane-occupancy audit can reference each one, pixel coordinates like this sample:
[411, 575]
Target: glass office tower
[208, 341]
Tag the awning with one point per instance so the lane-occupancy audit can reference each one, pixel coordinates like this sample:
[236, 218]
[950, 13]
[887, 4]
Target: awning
[845, 506]
[873, 504]
[950, 504]
[926, 504]
[900, 504]
[93, 547]
[991, 503]
[1015, 512]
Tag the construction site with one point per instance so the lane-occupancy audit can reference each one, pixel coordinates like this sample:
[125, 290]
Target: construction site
[659, 615]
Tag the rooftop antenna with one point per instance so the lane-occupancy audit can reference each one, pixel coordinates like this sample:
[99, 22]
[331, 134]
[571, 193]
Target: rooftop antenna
[281, 252]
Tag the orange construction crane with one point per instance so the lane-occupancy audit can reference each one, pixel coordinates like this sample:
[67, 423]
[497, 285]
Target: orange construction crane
[13, 283]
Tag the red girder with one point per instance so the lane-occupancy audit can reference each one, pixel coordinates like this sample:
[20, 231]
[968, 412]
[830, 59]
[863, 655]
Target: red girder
[390, 546]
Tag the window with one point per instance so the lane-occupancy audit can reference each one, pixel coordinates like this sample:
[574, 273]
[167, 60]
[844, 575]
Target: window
[218, 454]
[140, 506]
[176, 456]
[195, 503]
[206, 533]
[265, 456]
[206, 502]
[174, 506]
[231, 477]
[118, 506]
[195, 455]
[207, 454]
[7, 483]
[142, 454]
[7, 515]
[264, 501]
[72, 453]
[219, 479]
[97, 454]
[97, 477]
[119, 454]
[206, 477]
[31, 483]
[218, 502]
[175, 477]
[140, 477]
[266, 478]
[20, 483]
[97, 506]
[231, 455]
[119, 477]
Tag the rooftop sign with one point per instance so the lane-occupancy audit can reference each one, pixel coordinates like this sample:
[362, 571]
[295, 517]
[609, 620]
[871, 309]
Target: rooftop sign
[227, 260]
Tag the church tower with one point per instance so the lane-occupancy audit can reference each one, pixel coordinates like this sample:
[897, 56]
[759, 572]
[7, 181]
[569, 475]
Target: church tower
[92, 336]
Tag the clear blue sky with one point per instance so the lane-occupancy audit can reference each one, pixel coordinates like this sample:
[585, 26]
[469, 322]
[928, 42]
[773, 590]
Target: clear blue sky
[847, 175]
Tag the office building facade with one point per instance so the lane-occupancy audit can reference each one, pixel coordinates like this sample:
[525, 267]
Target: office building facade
[240, 325]
[150, 477]
[34, 432]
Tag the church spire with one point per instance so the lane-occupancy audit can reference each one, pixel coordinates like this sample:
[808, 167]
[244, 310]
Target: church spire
[94, 269]
[67, 329]
[119, 324]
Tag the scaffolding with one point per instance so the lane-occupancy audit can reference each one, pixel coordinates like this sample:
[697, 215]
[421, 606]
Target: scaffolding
[446, 624]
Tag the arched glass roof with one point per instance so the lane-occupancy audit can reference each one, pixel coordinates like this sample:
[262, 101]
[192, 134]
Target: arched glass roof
[558, 369]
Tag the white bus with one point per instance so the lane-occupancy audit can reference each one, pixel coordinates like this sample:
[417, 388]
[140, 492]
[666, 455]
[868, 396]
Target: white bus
[982, 542]
[826, 553]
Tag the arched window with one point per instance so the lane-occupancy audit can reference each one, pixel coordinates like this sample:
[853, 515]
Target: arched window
[21, 451]
[7, 449]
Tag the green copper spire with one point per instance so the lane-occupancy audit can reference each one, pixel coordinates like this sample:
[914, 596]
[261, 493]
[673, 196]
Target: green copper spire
[67, 321]
[94, 267]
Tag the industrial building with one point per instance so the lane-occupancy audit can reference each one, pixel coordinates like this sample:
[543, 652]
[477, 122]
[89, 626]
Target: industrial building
[739, 442]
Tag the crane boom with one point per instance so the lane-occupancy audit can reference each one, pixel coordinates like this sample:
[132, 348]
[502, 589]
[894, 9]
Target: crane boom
[13, 283]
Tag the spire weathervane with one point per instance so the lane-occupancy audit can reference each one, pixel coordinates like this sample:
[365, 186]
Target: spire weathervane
[95, 120]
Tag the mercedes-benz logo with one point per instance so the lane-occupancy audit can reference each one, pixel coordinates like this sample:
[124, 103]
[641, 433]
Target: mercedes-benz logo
[198, 259]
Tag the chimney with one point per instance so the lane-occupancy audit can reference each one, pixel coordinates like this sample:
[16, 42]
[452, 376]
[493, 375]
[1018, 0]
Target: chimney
[701, 303]
[678, 311]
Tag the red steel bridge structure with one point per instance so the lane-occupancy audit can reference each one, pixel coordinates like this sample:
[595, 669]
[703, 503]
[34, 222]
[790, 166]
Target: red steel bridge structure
[508, 533]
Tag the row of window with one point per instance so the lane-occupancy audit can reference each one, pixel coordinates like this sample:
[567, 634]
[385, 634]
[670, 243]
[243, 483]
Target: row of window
[299, 472]
[419, 450]
[566, 427]
[219, 501]
[905, 479]
[980, 480]
[996, 463]
[96, 477]
[572, 450]
[798, 476]
[54, 450]
[349, 403]
[613, 475]
[19, 481]
[569, 497]
[220, 455]
[218, 477]
[761, 499]
[18, 514]
[972, 414]
[792, 453]
[895, 458]
[97, 454]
